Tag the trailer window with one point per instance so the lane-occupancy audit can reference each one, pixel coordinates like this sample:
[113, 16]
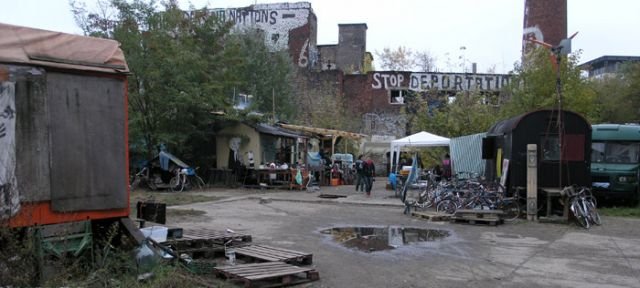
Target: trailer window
[550, 148]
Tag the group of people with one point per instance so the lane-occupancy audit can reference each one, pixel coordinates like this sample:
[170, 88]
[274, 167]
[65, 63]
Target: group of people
[365, 174]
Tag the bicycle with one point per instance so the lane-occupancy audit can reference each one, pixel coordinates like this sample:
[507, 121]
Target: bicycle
[583, 206]
[186, 178]
[143, 177]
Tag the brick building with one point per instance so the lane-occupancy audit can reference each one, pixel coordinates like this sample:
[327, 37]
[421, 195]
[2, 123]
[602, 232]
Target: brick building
[341, 71]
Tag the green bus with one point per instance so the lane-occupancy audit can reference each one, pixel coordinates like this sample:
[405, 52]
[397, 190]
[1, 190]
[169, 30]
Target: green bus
[615, 164]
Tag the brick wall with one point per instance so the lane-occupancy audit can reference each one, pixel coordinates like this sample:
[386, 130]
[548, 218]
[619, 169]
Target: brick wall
[546, 20]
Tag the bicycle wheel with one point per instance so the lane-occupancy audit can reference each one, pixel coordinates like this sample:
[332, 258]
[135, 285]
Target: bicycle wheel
[197, 183]
[580, 215]
[511, 210]
[135, 183]
[446, 206]
[594, 216]
[176, 184]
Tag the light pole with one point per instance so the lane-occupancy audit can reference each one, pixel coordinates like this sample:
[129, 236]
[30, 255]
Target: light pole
[463, 58]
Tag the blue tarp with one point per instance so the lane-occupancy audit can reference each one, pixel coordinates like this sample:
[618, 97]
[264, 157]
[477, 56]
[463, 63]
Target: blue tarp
[314, 159]
[166, 157]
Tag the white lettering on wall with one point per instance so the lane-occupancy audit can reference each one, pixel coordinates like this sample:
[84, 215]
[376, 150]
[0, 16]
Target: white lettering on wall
[384, 81]
[441, 81]
[275, 20]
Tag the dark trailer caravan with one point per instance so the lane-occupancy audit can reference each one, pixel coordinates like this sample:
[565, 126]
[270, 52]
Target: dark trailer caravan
[505, 148]
[63, 118]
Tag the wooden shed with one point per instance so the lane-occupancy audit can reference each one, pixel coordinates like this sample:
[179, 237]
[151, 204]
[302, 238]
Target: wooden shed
[64, 154]
[264, 142]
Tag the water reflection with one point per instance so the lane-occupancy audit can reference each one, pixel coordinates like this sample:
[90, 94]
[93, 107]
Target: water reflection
[370, 239]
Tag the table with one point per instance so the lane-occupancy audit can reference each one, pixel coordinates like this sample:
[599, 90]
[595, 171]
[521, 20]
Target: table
[274, 178]
[553, 192]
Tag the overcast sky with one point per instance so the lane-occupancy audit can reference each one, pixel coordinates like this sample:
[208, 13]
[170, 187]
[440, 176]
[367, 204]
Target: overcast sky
[490, 30]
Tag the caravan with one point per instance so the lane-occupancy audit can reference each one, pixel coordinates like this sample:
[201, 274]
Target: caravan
[615, 164]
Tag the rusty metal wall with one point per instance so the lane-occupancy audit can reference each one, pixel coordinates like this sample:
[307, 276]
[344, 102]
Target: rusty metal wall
[87, 127]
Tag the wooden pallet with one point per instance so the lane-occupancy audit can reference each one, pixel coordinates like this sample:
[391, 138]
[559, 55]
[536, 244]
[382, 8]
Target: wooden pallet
[476, 221]
[477, 216]
[206, 238]
[264, 253]
[267, 274]
[432, 216]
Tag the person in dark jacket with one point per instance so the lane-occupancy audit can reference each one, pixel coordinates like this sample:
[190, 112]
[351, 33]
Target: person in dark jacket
[360, 184]
[369, 174]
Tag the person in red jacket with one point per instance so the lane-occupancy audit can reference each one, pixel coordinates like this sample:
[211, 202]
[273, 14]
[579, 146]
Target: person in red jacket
[446, 167]
[369, 171]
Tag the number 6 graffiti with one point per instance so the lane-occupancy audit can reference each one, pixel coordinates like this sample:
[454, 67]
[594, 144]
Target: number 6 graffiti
[303, 61]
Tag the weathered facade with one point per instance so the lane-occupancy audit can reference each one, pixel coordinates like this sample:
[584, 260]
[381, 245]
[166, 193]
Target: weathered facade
[286, 26]
[337, 74]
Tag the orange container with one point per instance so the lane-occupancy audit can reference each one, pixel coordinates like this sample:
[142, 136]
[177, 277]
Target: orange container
[335, 181]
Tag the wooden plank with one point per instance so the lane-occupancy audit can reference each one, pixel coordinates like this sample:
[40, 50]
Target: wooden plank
[275, 251]
[479, 211]
[269, 253]
[261, 270]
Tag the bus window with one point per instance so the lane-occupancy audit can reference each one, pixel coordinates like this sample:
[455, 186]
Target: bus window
[622, 152]
[597, 152]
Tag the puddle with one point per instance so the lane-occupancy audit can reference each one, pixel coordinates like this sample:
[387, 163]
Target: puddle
[371, 239]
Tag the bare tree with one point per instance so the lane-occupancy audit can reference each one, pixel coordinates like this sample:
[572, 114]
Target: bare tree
[400, 59]
[425, 62]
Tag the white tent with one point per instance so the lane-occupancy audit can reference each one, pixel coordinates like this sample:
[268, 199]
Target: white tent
[420, 139]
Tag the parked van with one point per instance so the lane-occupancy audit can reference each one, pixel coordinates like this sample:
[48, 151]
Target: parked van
[615, 164]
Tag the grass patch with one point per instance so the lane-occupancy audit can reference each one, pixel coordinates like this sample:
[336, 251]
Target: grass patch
[633, 212]
[184, 212]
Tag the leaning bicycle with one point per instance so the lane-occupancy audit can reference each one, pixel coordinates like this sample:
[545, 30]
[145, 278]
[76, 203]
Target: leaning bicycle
[186, 178]
[583, 206]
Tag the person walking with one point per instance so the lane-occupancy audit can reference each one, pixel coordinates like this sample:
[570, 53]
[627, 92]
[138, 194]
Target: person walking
[369, 174]
[446, 167]
[360, 184]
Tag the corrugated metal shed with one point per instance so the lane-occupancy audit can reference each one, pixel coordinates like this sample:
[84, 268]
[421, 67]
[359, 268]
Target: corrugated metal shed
[466, 153]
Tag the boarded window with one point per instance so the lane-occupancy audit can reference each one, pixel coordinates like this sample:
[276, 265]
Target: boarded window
[573, 149]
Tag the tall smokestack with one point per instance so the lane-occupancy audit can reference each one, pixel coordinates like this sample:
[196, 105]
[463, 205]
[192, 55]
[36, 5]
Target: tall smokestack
[544, 20]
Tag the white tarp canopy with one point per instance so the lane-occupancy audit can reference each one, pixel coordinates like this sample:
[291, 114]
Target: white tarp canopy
[420, 139]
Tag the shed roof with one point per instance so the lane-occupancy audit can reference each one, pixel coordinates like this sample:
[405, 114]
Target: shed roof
[277, 131]
[324, 131]
[508, 125]
[24, 45]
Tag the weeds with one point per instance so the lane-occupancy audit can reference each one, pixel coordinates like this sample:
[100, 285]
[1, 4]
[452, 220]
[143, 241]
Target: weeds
[633, 212]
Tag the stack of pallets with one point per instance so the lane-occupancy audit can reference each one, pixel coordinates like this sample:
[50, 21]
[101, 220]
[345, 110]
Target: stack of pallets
[258, 265]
